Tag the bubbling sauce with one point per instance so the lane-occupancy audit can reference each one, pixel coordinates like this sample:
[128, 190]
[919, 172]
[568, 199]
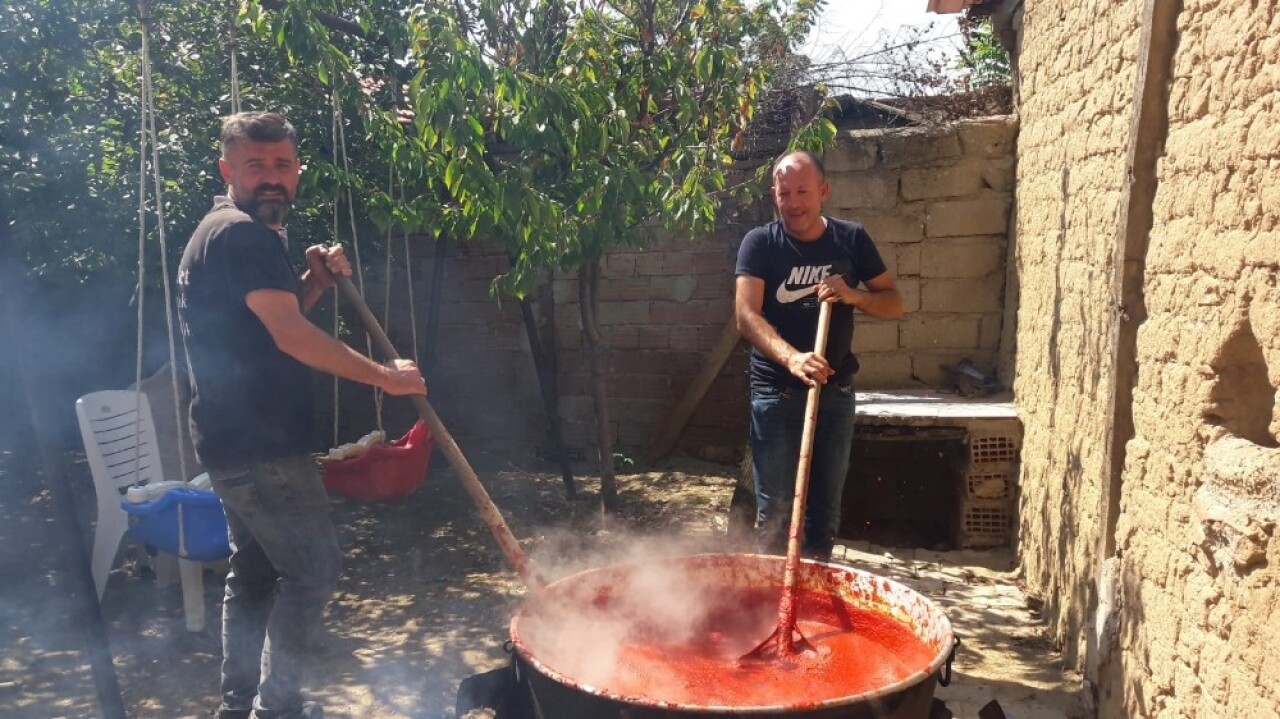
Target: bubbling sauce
[854, 650]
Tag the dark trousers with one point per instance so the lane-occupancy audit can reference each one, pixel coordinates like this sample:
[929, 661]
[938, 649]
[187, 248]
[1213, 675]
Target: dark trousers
[285, 564]
[777, 423]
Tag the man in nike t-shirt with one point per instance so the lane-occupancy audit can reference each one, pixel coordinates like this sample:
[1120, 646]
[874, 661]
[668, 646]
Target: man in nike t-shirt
[785, 268]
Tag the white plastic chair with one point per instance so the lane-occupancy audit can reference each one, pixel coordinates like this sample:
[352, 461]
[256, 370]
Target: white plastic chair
[122, 451]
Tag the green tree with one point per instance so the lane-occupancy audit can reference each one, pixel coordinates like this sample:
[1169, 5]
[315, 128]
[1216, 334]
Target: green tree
[565, 128]
[560, 128]
[983, 55]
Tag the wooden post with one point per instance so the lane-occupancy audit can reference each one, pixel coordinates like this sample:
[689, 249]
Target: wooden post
[670, 430]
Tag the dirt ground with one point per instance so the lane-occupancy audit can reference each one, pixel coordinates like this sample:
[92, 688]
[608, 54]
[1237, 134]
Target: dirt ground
[424, 600]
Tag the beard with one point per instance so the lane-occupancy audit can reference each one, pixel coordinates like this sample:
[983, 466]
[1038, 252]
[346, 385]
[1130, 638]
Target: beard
[271, 211]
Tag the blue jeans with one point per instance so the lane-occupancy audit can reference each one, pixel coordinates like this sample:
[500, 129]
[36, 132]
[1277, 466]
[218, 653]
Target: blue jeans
[285, 563]
[777, 422]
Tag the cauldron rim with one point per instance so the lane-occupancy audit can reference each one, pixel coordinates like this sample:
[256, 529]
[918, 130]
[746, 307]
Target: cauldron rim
[941, 656]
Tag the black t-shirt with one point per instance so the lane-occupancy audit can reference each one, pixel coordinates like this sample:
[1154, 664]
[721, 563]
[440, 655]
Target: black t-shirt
[791, 271]
[250, 402]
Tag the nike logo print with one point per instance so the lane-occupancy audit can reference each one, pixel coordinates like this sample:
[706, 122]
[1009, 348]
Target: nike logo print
[786, 296]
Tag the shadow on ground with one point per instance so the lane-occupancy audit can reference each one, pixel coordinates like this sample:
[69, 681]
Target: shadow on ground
[426, 597]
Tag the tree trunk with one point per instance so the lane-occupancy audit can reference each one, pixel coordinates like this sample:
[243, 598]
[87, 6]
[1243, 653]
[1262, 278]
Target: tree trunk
[433, 307]
[589, 306]
[544, 362]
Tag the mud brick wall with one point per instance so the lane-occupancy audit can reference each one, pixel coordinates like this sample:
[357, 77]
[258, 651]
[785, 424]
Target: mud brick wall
[936, 201]
[1076, 84]
[1195, 623]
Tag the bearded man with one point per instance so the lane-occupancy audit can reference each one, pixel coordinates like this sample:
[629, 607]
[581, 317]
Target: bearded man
[250, 353]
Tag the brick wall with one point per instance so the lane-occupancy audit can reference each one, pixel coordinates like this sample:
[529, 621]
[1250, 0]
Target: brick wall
[936, 202]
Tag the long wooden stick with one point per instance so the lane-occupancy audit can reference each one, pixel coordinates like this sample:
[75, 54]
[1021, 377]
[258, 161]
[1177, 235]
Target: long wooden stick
[470, 481]
[782, 643]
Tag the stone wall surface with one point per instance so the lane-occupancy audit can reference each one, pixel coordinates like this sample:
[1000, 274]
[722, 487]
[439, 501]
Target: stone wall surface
[1196, 620]
[1077, 75]
[1201, 492]
[936, 201]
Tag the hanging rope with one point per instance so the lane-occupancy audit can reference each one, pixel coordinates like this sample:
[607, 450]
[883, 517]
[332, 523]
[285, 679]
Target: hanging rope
[404, 231]
[149, 133]
[337, 403]
[140, 294]
[341, 144]
[233, 45]
[386, 285]
[408, 277]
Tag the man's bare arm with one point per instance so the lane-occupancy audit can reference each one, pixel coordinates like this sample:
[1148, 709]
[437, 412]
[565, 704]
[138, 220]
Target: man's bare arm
[297, 337]
[748, 303]
[880, 299]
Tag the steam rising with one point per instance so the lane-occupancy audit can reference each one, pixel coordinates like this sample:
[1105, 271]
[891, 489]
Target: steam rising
[590, 628]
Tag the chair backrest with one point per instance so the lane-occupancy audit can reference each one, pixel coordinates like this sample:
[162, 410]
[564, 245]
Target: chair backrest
[119, 440]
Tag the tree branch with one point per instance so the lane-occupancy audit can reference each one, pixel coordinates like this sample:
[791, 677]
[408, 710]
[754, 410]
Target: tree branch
[333, 22]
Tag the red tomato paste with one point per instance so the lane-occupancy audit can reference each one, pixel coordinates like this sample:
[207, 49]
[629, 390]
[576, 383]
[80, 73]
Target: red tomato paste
[854, 650]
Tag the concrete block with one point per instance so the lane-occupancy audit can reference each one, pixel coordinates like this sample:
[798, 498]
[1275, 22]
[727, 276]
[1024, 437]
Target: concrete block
[564, 290]
[620, 336]
[852, 191]
[875, 336]
[641, 362]
[901, 226]
[999, 174]
[640, 386]
[928, 183]
[654, 337]
[909, 288]
[613, 289]
[908, 259]
[649, 263]
[985, 215]
[709, 336]
[715, 286]
[620, 264]
[684, 337]
[678, 262]
[989, 334]
[883, 370]
[980, 296]
[663, 312]
[855, 150]
[943, 331]
[919, 147]
[966, 258]
[989, 137]
[568, 319]
[576, 408]
[632, 312]
[716, 261]
[568, 339]
[928, 365]
[679, 288]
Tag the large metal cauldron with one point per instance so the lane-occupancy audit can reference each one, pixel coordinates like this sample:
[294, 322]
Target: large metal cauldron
[560, 692]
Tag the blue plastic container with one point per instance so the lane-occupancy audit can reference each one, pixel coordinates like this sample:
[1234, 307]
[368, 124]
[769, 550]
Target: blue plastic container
[203, 523]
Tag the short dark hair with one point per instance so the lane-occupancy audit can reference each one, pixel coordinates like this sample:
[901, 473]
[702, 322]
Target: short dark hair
[257, 127]
[811, 157]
